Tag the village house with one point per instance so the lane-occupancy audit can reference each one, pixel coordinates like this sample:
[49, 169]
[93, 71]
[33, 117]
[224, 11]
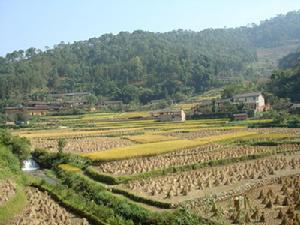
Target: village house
[250, 103]
[29, 110]
[176, 115]
[253, 101]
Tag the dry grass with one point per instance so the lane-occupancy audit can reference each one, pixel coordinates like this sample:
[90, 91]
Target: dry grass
[160, 147]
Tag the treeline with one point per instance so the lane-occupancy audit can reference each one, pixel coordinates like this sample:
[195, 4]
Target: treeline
[142, 66]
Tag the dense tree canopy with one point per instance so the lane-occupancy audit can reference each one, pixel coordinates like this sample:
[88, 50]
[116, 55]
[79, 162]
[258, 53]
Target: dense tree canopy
[285, 83]
[276, 31]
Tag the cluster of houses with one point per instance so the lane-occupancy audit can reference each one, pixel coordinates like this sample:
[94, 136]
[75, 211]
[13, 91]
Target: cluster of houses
[240, 106]
[58, 103]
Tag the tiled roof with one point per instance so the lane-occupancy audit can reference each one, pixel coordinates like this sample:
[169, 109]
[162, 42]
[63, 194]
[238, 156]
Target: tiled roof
[250, 94]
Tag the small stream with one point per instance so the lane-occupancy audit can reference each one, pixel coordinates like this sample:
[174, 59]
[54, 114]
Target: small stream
[30, 165]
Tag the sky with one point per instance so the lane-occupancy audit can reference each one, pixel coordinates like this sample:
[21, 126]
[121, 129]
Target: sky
[40, 23]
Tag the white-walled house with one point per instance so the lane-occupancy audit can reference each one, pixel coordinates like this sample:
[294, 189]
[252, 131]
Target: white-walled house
[253, 100]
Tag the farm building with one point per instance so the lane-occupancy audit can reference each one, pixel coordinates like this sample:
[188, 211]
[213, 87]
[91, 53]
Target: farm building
[177, 115]
[30, 111]
[253, 100]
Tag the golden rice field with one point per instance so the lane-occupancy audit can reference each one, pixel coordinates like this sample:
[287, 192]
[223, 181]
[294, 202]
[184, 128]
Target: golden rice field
[150, 138]
[160, 147]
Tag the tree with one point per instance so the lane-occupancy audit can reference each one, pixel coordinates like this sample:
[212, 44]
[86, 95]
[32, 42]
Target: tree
[21, 147]
[2, 119]
[92, 99]
[61, 144]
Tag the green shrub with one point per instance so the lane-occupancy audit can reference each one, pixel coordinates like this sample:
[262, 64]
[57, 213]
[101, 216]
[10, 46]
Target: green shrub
[51, 160]
[96, 192]
[9, 163]
[68, 198]
[19, 146]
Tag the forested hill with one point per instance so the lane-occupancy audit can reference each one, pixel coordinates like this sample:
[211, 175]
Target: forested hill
[285, 83]
[142, 66]
[291, 60]
[128, 66]
[276, 31]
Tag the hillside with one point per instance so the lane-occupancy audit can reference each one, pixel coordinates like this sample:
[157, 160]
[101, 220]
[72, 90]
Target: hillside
[128, 66]
[142, 66]
[285, 82]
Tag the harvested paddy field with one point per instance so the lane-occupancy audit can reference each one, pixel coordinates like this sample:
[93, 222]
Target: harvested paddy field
[201, 154]
[201, 165]
[222, 180]
[81, 144]
[42, 209]
[7, 190]
[275, 202]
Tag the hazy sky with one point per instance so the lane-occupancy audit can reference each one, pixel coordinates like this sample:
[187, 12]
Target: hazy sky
[40, 23]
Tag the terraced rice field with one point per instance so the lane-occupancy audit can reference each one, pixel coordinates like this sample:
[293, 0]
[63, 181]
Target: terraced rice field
[41, 209]
[81, 144]
[202, 165]
[160, 147]
[200, 154]
[276, 202]
[7, 190]
[187, 185]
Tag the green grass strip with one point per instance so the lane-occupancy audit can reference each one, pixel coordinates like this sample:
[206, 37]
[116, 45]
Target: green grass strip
[13, 206]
